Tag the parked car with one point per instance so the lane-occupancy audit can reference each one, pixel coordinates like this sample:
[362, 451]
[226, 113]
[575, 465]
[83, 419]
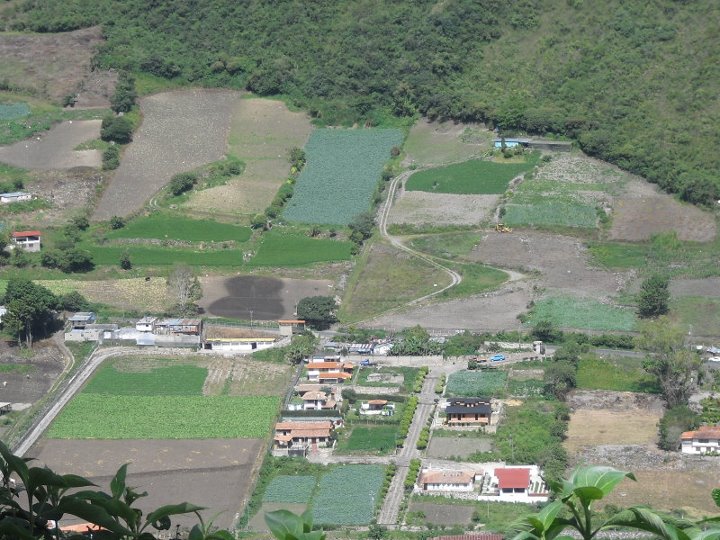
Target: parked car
[714, 359]
[497, 358]
[367, 362]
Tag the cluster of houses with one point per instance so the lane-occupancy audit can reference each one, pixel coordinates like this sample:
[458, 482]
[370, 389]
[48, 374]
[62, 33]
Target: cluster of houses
[491, 482]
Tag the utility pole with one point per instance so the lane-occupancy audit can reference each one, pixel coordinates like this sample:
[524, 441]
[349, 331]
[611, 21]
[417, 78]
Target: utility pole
[251, 317]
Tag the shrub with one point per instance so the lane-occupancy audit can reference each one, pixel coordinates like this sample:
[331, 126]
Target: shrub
[125, 262]
[116, 222]
[111, 158]
[73, 301]
[676, 420]
[124, 97]
[413, 471]
[116, 129]
[182, 182]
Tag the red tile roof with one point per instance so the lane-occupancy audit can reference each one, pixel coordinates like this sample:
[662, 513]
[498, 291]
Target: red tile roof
[324, 365]
[378, 402]
[513, 478]
[480, 536]
[19, 234]
[446, 477]
[292, 321]
[333, 375]
[703, 432]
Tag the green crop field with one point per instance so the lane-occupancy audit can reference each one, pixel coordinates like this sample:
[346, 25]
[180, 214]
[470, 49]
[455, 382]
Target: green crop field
[342, 171]
[277, 249]
[162, 381]
[378, 440]
[162, 226]
[290, 489]
[99, 416]
[346, 495]
[582, 314]
[618, 374]
[476, 383]
[551, 214]
[474, 177]
[160, 256]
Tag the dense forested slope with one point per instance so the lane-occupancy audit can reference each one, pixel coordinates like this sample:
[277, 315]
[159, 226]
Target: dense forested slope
[635, 82]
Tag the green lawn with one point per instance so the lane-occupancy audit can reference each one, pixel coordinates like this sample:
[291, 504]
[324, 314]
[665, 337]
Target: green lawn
[476, 278]
[162, 226]
[582, 314]
[278, 249]
[699, 312]
[618, 255]
[447, 245]
[475, 177]
[550, 213]
[100, 416]
[619, 374]
[482, 383]
[376, 439]
[409, 375]
[162, 381]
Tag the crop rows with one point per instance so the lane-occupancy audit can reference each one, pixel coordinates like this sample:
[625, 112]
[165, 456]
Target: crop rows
[97, 416]
[162, 381]
[347, 495]
[583, 314]
[342, 171]
[476, 383]
[290, 489]
[161, 226]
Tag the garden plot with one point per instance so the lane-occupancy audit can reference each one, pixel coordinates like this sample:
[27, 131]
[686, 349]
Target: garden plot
[333, 499]
[643, 211]
[269, 298]
[695, 287]
[216, 474]
[180, 131]
[133, 294]
[433, 143]
[443, 514]
[418, 208]
[482, 383]
[55, 149]
[563, 262]
[457, 447]
[262, 133]
[342, 171]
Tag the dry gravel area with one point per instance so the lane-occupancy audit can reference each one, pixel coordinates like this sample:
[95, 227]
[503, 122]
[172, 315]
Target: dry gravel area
[644, 211]
[54, 149]
[421, 208]
[562, 262]
[180, 131]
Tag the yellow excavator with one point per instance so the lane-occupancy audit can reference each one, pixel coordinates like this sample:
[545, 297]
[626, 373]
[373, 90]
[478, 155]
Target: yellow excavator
[500, 227]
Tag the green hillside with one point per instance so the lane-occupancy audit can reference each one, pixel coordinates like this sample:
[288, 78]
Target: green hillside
[634, 82]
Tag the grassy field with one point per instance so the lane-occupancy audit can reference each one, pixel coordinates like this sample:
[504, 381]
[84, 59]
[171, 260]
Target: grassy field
[160, 256]
[334, 500]
[475, 177]
[385, 278]
[290, 489]
[476, 383]
[582, 314]
[619, 374]
[278, 249]
[454, 245]
[700, 313]
[551, 214]
[437, 143]
[495, 516]
[476, 279]
[618, 255]
[99, 416]
[161, 226]
[180, 380]
[378, 440]
[409, 375]
[342, 171]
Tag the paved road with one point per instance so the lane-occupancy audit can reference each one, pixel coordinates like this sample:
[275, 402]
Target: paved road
[76, 382]
[391, 505]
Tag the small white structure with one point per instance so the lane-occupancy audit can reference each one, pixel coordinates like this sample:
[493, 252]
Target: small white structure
[146, 324]
[376, 407]
[704, 440]
[81, 319]
[446, 480]
[249, 344]
[523, 483]
[27, 240]
[15, 196]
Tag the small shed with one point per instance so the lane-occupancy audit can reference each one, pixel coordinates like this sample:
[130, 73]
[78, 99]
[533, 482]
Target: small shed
[291, 326]
[81, 319]
[146, 324]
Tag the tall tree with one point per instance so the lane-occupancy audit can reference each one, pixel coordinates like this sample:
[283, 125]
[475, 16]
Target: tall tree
[676, 368]
[185, 289]
[317, 311]
[30, 309]
[654, 297]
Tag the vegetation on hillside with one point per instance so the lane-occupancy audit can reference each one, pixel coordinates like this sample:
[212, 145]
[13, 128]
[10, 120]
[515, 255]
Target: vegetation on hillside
[615, 76]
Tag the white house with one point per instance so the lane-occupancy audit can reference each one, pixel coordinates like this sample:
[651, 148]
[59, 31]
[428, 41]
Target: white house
[514, 484]
[15, 196]
[376, 407]
[704, 440]
[445, 480]
[27, 240]
[146, 324]
[231, 345]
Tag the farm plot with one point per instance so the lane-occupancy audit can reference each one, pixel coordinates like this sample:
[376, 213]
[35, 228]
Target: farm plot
[442, 514]
[386, 279]
[269, 298]
[174, 227]
[582, 314]
[420, 209]
[333, 498]
[377, 440]
[476, 383]
[457, 447]
[342, 171]
[162, 256]
[290, 489]
[395, 376]
[618, 374]
[136, 294]
[433, 143]
[245, 377]
[279, 249]
[700, 313]
[165, 381]
[198, 120]
[473, 177]
[262, 133]
[643, 211]
[55, 149]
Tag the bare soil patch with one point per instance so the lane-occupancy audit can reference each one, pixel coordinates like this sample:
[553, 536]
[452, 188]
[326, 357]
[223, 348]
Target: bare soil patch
[590, 428]
[447, 447]
[644, 211]
[437, 143]
[696, 287]
[29, 379]
[214, 473]
[134, 294]
[180, 131]
[268, 298]
[421, 208]
[55, 65]
[563, 262]
[444, 514]
[245, 377]
[54, 149]
[262, 132]
[490, 312]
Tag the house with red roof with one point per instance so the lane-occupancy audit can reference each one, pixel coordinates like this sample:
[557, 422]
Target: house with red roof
[376, 407]
[446, 480]
[27, 240]
[329, 372]
[514, 484]
[704, 440]
[297, 437]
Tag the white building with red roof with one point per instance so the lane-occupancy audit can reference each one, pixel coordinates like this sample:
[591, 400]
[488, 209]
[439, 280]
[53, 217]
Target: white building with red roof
[446, 480]
[704, 440]
[514, 483]
[27, 240]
